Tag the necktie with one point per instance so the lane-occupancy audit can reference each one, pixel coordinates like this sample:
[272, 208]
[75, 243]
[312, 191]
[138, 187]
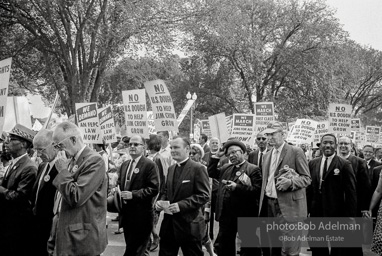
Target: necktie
[261, 160]
[324, 171]
[7, 172]
[128, 174]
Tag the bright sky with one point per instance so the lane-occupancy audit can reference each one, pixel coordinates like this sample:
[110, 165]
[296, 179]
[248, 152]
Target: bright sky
[362, 19]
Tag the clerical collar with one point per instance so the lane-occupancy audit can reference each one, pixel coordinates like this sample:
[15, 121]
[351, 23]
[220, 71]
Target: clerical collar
[238, 165]
[182, 163]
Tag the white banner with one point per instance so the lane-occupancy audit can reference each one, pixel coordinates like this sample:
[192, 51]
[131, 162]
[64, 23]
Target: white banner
[303, 131]
[134, 105]
[162, 105]
[87, 119]
[106, 122]
[264, 112]
[243, 128]
[206, 128]
[340, 118]
[5, 72]
[185, 111]
[322, 129]
[150, 122]
[356, 124]
[218, 125]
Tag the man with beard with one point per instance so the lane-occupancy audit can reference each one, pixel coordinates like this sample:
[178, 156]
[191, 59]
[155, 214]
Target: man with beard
[332, 192]
[16, 216]
[43, 189]
[187, 190]
[238, 196]
[256, 157]
[283, 197]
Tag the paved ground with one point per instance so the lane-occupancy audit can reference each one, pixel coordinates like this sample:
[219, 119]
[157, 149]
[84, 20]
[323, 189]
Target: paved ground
[116, 245]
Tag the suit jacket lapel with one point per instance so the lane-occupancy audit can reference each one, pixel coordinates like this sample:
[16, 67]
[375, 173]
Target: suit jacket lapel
[137, 166]
[40, 171]
[333, 163]
[184, 173]
[123, 175]
[282, 155]
[318, 170]
[242, 169]
[170, 179]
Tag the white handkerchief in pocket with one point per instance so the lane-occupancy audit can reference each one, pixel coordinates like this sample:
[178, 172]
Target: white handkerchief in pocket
[185, 181]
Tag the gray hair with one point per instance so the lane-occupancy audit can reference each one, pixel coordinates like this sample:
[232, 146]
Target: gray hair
[44, 136]
[69, 129]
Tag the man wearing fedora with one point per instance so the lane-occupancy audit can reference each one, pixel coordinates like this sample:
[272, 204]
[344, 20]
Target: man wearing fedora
[283, 198]
[16, 216]
[139, 183]
[238, 195]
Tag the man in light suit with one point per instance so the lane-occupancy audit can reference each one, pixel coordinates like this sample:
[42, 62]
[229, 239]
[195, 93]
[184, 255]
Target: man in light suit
[332, 192]
[82, 183]
[139, 183]
[43, 190]
[281, 197]
[187, 191]
[256, 157]
[16, 217]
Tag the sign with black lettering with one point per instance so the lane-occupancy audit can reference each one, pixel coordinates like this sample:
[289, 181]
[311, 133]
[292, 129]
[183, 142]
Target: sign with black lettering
[134, 105]
[243, 127]
[162, 105]
[5, 72]
[356, 124]
[372, 134]
[264, 113]
[303, 131]
[340, 118]
[106, 122]
[87, 119]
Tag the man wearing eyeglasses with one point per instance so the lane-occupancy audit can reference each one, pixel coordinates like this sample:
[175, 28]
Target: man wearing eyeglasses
[283, 198]
[43, 190]
[256, 157]
[16, 217]
[237, 196]
[82, 183]
[139, 184]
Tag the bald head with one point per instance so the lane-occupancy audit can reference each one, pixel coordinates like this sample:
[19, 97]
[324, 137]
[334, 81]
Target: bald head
[68, 137]
[43, 144]
[344, 146]
[214, 144]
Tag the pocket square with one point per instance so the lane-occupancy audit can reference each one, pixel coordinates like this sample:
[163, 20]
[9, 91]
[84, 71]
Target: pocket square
[185, 181]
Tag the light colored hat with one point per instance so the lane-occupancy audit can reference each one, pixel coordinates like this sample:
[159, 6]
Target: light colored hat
[199, 148]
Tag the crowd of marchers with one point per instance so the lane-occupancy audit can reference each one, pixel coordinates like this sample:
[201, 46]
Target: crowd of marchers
[55, 192]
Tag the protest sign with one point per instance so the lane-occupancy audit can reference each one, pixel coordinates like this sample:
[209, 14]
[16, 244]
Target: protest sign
[264, 112]
[218, 125]
[303, 131]
[106, 122]
[185, 111]
[150, 122]
[243, 126]
[134, 105]
[5, 72]
[372, 134]
[322, 129]
[87, 119]
[340, 118]
[162, 106]
[356, 124]
[205, 128]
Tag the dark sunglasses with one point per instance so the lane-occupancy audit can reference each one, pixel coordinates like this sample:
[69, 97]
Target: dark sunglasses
[135, 144]
[261, 138]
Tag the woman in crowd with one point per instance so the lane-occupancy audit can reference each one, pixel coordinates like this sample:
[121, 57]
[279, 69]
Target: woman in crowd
[196, 154]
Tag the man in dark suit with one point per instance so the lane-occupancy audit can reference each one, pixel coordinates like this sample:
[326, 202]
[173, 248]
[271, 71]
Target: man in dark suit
[187, 191]
[238, 196]
[368, 152]
[82, 185]
[43, 189]
[203, 142]
[256, 157]
[362, 185]
[283, 197]
[16, 217]
[332, 192]
[139, 183]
